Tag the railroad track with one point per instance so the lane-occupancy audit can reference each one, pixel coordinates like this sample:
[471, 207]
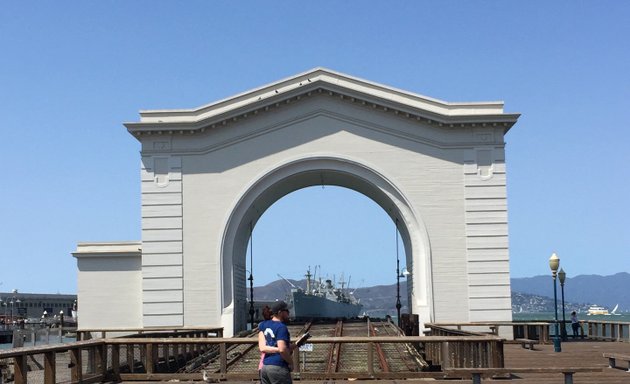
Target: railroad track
[324, 358]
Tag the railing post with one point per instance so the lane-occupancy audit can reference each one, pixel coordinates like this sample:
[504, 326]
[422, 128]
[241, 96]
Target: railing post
[178, 348]
[116, 361]
[101, 360]
[499, 360]
[223, 357]
[130, 356]
[49, 368]
[20, 369]
[296, 360]
[91, 363]
[149, 355]
[76, 372]
[143, 354]
[445, 356]
[370, 358]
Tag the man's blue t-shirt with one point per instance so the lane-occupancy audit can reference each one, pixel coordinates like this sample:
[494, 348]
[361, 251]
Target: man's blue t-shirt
[274, 331]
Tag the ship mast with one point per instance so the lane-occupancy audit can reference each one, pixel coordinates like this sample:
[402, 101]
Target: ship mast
[308, 281]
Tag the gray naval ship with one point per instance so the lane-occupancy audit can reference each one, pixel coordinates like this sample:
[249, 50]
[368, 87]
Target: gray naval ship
[322, 300]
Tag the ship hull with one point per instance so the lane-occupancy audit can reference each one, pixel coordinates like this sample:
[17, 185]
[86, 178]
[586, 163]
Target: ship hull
[310, 306]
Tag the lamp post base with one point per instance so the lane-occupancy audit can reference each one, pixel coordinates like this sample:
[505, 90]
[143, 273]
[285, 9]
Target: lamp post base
[557, 346]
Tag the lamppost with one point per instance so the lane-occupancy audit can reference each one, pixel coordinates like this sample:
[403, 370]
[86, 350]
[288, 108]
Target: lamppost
[563, 331]
[398, 276]
[252, 311]
[404, 273]
[13, 302]
[251, 275]
[554, 263]
[3, 303]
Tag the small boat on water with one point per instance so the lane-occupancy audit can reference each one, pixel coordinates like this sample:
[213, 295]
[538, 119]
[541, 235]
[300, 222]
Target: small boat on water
[597, 310]
[323, 300]
[614, 311]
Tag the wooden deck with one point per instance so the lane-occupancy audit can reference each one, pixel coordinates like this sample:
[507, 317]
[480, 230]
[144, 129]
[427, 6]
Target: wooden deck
[574, 353]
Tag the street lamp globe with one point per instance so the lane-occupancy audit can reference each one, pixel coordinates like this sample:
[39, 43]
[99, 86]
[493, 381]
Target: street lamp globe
[554, 263]
[562, 276]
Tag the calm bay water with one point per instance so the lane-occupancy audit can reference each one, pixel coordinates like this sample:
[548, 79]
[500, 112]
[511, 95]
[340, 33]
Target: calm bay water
[546, 316]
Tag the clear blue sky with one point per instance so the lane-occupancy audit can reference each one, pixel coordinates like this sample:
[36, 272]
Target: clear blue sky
[72, 72]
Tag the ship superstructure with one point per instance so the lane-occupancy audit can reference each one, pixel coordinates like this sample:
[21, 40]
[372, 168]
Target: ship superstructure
[321, 299]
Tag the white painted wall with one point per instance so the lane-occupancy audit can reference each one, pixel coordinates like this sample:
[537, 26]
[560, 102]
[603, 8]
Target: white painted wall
[109, 285]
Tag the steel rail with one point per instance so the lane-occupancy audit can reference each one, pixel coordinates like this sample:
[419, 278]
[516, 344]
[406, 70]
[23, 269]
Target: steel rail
[382, 360]
[404, 354]
[335, 349]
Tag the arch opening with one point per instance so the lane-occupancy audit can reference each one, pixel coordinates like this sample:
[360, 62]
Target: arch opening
[276, 183]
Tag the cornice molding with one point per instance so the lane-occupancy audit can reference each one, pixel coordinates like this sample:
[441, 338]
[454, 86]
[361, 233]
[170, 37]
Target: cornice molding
[108, 249]
[263, 130]
[322, 82]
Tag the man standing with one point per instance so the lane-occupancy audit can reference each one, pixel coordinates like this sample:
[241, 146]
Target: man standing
[277, 366]
[575, 324]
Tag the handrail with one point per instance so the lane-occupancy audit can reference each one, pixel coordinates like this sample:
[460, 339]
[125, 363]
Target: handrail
[150, 329]
[87, 333]
[7, 353]
[485, 351]
[312, 340]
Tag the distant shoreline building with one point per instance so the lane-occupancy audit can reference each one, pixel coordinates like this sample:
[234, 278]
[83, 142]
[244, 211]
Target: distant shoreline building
[436, 168]
[33, 305]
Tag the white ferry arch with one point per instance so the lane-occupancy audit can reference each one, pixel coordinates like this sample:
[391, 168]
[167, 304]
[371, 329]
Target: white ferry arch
[208, 174]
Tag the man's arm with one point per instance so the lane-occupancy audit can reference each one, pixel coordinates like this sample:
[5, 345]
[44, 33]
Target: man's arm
[285, 351]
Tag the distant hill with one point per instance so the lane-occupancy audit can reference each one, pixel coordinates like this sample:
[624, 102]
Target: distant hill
[530, 294]
[606, 291]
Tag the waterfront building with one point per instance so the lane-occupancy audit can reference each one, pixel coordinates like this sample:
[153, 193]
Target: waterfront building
[437, 168]
[35, 305]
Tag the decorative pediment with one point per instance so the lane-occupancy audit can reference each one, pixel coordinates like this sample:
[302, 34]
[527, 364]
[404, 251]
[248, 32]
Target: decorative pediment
[320, 81]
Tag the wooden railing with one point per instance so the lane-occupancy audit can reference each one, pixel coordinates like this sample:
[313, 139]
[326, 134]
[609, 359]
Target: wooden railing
[144, 359]
[538, 330]
[608, 330]
[88, 334]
